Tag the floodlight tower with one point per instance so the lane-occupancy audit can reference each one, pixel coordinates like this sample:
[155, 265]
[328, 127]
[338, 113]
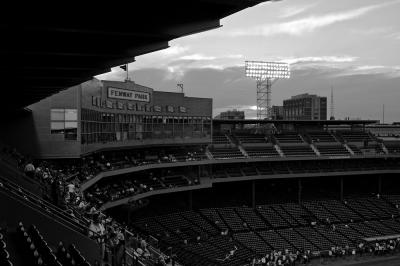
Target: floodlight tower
[266, 73]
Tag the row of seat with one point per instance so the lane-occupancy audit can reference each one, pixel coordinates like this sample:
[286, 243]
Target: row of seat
[4, 253]
[314, 225]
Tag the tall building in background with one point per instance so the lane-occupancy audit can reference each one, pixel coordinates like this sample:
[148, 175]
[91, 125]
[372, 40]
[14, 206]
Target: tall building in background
[305, 107]
[277, 112]
[231, 114]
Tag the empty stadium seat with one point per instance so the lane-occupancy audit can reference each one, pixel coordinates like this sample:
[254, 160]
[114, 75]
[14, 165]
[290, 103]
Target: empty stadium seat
[332, 150]
[288, 137]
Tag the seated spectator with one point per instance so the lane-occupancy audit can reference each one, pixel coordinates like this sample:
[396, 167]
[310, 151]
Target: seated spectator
[29, 169]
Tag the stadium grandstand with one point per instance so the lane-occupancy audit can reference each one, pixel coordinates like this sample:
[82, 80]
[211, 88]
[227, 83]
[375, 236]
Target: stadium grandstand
[100, 172]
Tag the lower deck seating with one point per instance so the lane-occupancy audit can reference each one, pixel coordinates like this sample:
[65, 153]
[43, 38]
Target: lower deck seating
[319, 211]
[285, 226]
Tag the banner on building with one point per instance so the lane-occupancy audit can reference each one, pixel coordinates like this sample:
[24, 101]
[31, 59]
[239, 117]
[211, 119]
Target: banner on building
[123, 94]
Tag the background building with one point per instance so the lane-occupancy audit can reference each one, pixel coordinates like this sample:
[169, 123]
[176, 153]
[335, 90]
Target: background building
[277, 112]
[231, 115]
[305, 107]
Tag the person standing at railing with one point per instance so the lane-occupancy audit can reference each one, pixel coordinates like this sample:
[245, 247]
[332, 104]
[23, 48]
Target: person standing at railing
[97, 231]
[29, 169]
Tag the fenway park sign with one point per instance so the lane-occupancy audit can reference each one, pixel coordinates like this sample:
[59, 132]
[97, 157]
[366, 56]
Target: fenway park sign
[128, 95]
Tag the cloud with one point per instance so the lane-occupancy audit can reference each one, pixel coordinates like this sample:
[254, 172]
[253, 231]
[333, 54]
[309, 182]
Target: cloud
[395, 36]
[292, 11]
[308, 24]
[388, 72]
[197, 57]
[319, 59]
[173, 51]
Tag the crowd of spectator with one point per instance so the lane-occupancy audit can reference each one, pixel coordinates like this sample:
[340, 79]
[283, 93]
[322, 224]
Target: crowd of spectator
[287, 258]
[61, 184]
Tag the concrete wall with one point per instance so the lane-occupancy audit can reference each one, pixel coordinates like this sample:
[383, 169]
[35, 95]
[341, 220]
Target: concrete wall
[54, 145]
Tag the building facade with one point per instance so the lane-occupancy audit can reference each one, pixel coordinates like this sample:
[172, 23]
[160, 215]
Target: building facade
[305, 107]
[231, 114]
[277, 112]
[98, 115]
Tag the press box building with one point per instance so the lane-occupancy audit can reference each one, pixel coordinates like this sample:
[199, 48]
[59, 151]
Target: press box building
[98, 115]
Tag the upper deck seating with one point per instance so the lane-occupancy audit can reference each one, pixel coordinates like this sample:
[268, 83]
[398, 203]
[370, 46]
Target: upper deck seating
[226, 153]
[355, 136]
[321, 136]
[220, 139]
[393, 148]
[378, 148]
[261, 152]
[297, 151]
[250, 139]
[332, 150]
[288, 137]
[355, 149]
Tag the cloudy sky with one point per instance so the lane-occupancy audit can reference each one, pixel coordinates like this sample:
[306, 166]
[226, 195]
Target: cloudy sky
[350, 45]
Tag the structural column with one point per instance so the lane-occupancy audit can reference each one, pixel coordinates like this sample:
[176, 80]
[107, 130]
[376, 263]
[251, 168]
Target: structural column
[190, 200]
[380, 184]
[341, 188]
[253, 194]
[300, 188]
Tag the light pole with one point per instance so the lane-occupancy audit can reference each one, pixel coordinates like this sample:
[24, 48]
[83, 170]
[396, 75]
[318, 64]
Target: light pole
[266, 74]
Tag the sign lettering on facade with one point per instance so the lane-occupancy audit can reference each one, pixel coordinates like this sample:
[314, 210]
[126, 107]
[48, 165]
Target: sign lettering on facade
[128, 95]
[170, 109]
